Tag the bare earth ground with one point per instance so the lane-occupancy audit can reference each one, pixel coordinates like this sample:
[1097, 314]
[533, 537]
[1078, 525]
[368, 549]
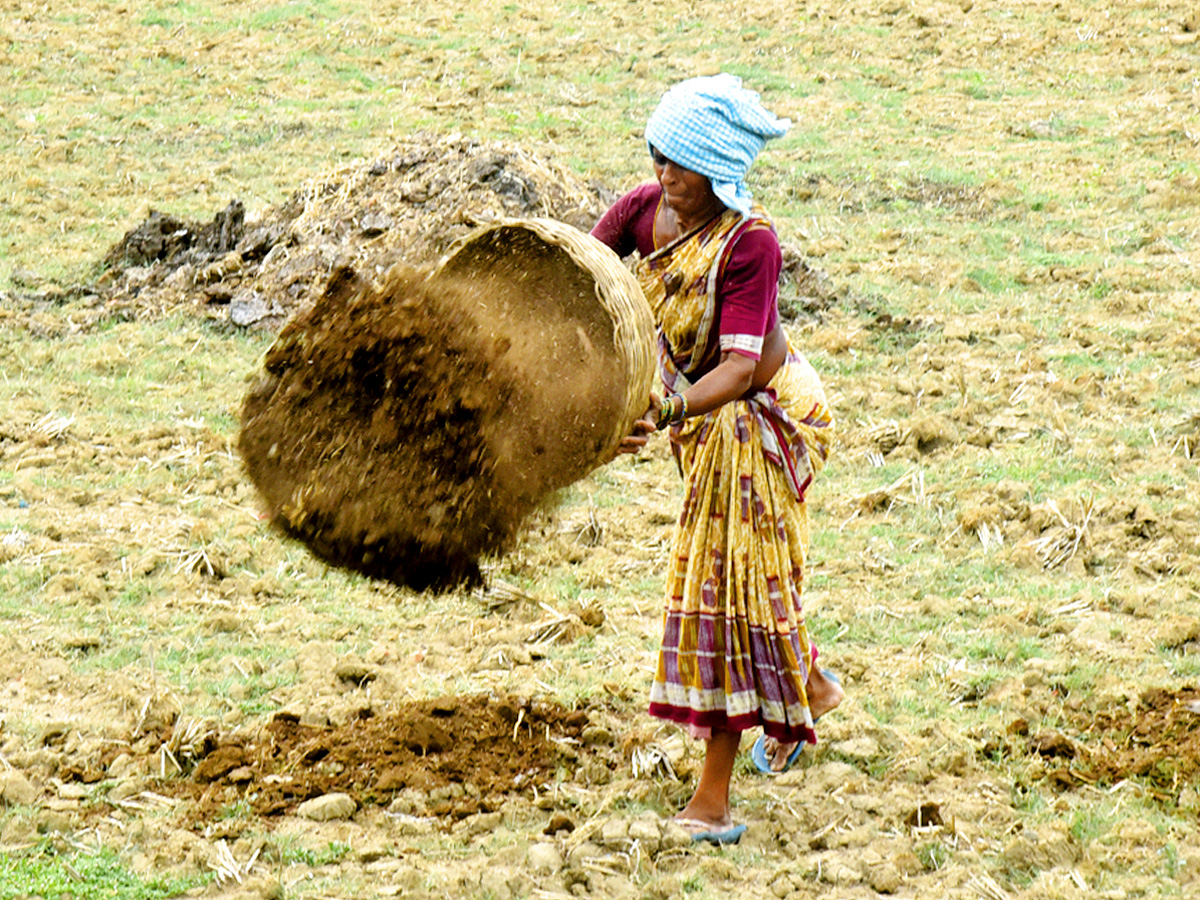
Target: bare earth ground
[1006, 566]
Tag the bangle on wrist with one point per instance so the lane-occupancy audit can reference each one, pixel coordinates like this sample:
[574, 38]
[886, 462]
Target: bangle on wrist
[683, 410]
[666, 412]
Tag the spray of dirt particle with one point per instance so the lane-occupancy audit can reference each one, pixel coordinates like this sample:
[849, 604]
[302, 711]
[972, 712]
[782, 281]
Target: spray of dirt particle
[405, 430]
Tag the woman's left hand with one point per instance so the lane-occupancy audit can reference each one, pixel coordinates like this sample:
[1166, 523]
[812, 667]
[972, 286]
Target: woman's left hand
[640, 433]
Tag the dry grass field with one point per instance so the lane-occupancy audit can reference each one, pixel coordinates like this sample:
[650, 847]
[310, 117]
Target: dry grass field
[992, 219]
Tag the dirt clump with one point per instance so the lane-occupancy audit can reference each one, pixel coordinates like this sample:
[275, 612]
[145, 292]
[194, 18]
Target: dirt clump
[456, 755]
[1158, 741]
[403, 430]
[173, 242]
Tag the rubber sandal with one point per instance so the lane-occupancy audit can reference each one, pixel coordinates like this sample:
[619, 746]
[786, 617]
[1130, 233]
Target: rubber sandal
[715, 836]
[758, 752]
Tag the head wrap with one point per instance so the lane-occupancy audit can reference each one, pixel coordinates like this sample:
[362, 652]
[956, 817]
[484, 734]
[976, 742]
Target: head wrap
[714, 126]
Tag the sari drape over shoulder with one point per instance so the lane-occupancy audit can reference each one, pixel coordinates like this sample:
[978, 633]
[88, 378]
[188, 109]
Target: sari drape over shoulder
[736, 653]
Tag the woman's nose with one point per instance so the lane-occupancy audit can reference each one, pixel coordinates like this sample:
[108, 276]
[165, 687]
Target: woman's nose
[671, 171]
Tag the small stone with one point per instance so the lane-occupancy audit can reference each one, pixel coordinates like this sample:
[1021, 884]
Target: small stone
[328, 807]
[247, 307]
[374, 224]
[544, 857]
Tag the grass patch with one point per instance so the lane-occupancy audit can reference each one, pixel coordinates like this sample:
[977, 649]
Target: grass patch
[97, 876]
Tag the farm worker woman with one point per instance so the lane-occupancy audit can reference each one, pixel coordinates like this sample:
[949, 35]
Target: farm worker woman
[750, 428]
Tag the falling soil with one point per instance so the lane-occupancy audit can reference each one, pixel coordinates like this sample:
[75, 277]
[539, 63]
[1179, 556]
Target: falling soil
[488, 747]
[407, 429]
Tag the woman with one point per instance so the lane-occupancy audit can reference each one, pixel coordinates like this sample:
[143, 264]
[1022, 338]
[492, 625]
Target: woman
[749, 427]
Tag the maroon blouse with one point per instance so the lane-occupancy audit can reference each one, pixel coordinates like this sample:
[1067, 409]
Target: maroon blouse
[747, 284]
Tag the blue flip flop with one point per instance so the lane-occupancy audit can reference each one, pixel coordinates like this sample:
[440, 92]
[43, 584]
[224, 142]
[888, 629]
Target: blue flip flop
[717, 836]
[758, 752]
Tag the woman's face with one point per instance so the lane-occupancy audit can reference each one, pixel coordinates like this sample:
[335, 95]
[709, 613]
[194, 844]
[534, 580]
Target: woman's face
[689, 194]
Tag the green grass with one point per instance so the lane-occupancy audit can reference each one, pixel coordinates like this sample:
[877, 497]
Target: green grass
[332, 852]
[97, 876]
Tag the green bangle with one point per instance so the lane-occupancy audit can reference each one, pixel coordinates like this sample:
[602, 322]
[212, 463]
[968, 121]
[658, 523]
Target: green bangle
[666, 412]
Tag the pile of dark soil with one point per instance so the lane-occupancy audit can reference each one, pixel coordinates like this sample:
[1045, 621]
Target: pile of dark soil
[500, 746]
[411, 203]
[172, 242]
[1155, 742]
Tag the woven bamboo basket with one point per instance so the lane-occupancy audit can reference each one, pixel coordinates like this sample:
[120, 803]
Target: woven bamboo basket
[529, 253]
[405, 428]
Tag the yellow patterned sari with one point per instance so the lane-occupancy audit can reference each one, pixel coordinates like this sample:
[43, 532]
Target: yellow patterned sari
[736, 652]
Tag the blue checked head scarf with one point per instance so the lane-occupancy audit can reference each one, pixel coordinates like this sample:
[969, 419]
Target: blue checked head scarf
[714, 126]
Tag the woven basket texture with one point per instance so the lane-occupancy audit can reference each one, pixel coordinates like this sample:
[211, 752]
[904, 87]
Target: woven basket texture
[533, 254]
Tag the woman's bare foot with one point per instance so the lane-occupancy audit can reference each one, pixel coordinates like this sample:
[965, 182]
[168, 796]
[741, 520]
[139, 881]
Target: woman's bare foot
[694, 822]
[778, 753]
[824, 693]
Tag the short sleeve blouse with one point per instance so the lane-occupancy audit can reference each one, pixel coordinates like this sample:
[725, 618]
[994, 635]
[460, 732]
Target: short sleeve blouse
[747, 284]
